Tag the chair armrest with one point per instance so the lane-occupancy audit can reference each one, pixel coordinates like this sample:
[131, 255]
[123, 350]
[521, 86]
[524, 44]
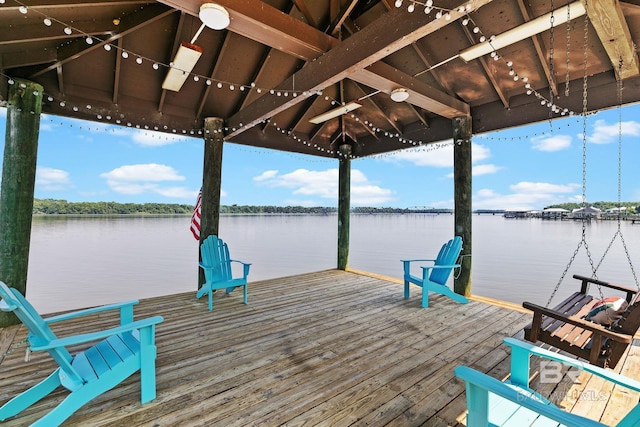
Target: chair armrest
[481, 381]
[431, 267]
[574, 320]
[94, 336]
[596, 370]
[586, 280]
[126, 306]
[241, 262]
[418, 260]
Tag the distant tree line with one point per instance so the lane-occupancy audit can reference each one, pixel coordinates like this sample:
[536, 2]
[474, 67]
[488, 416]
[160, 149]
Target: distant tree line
[63, 207]
[632, 207]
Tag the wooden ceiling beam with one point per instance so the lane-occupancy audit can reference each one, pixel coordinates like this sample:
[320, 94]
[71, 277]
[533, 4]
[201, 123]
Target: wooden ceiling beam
[608, 20]
[487, 71]
[260, 22]
[350, 58]
[302, 7]
[386, 78]
[146, 16]
[537, 44]
[265, 24]
[342, 16]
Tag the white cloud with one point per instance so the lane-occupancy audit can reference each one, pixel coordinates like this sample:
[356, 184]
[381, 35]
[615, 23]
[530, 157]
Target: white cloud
[526, 196]
[266, 175]
[606, 134]
[543, 187]
[324, 185]
[52, 179]
[439, 155]
[147, 178]
[552, 143]
[487, 169]
[150, 172]
[150, 138]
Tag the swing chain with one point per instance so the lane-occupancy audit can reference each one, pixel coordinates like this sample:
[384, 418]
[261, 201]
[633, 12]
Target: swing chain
[552, 19]
[567, 77]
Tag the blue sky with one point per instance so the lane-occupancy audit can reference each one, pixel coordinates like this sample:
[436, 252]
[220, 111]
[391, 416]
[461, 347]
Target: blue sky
[528, 167]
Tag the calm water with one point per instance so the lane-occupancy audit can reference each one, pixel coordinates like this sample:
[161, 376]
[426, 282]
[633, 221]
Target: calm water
[80, 262]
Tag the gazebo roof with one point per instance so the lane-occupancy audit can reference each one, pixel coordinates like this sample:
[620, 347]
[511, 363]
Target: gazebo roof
[279, 63]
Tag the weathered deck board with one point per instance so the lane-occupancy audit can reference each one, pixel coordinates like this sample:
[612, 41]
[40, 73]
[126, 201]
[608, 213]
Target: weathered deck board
[329, 348]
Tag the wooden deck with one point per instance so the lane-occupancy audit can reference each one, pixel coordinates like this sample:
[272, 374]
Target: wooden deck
[330, 348]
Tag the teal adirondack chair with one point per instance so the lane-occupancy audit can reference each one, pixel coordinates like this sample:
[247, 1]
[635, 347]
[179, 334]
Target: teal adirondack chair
[218, 272]
[434, 277]
[491, 402]
[119, 353]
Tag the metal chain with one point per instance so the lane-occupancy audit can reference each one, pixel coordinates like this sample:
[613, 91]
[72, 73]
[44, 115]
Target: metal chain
[583, 240]
[619, 231]
[567, 77]
[552, 19]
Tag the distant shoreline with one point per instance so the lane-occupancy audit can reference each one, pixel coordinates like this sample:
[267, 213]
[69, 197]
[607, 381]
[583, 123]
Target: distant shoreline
[48, 207]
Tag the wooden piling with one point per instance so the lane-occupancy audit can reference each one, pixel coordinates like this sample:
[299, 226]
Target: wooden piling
[462, 199]
[18, 182]
[344, 205]
[211, 181]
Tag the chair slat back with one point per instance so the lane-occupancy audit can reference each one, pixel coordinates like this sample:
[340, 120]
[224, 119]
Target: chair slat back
[215, 254]
[39, 331]
[448, 255]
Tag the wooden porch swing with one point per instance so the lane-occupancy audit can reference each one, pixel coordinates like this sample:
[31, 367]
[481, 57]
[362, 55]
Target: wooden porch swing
[566, 326]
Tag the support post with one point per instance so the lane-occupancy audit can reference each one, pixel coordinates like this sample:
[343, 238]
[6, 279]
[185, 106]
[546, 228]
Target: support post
[462, 199]
[344, 205]
[211, 181]
[18, 182]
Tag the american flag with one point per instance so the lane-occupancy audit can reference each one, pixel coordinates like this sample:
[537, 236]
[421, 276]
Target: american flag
[195, 218]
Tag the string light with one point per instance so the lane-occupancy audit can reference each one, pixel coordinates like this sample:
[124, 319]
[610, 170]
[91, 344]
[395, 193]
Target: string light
[428, 7]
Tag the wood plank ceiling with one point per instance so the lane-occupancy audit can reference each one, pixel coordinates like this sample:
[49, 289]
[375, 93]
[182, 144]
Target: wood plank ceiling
[281, 62]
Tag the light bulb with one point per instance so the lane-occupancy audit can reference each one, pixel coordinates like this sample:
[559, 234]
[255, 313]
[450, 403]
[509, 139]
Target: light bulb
[411, 7]
[107, 47]
[398, 3]
[68, 30]
[47, 22]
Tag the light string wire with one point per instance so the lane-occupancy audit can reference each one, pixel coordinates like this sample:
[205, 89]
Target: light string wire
[121, 120]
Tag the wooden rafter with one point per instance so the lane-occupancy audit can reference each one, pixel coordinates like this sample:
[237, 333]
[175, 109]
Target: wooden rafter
[487, 71]
[537, 44]
[342, 16]
[274, 28]
[302, 7]
[177, 39]
[145, 17]
[608, 20]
